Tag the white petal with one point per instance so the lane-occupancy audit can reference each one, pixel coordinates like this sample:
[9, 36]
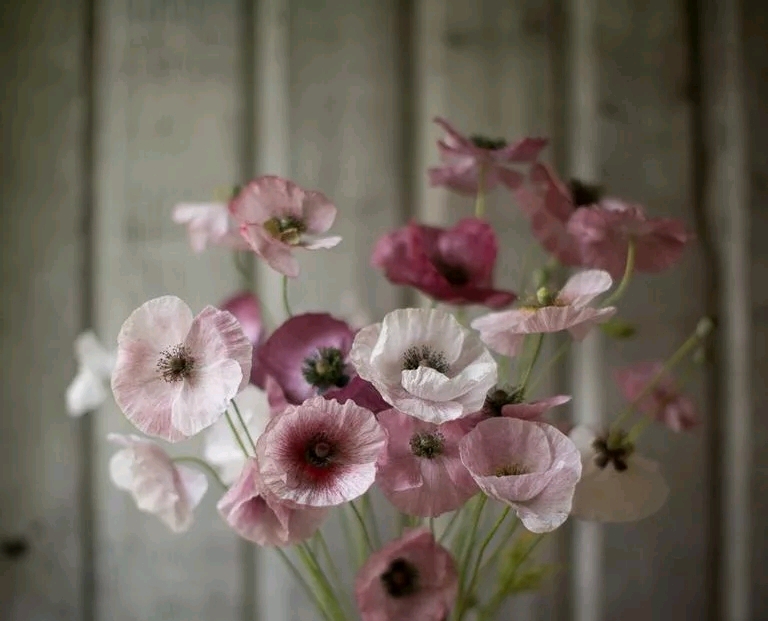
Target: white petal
[195, 484]
[91, 354]
[121, 469]
[432, 328]
[585, 286]
[163, 321]
[583, 437]
[86, 392]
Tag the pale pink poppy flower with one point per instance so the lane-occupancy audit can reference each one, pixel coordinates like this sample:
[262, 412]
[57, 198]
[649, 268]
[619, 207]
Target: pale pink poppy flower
[208, 224]
[276, 216]
[158, 486]
[504, 332]
[259, 516]
[665, 402]
[603, 233]
[532, 467]
[420, 471]
[221, 449]
[424, 363]
[175, 374]
[320, 453]
[246, 308]
[89, 388]
[413, 577]
[617, 484]
[465, 157]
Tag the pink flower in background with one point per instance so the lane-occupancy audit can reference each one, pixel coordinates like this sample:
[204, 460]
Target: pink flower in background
[158, 486]
[420, 471]
[504, 332]
[175, 374]
[532, 467]
[603, 232]
[246, 308]
[424, 363]
[208, 224]
[464, 157]
[88, 390]
[257, 515]
[361, 392]
[410, 578]
[276, 216]
[320, 453]
[665, 402]
[308, 354]
[510, 403]
[617, 484]
[452, 265]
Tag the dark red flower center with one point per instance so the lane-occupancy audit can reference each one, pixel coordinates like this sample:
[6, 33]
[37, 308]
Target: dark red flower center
[401, 578]
[492, 144]
[176, 363]
[497, 398]
[427, 445]
[424, 356]
[614, 448]
[288, 229]
[585, 193]
[319, 451]
[456, 275]
[326, 369]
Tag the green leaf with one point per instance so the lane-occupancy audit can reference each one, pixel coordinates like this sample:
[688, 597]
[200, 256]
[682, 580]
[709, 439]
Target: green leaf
[619, 329]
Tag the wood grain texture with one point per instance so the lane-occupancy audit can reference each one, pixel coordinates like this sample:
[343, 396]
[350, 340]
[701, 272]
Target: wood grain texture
[42, 119]
[168, 117]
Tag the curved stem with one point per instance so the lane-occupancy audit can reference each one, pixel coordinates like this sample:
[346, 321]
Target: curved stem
[310, 561]
[204, 465]
[304, 584]
[363, 528]
[341, 593]
[234, 433]
[502, 544]
[561, 351]
[244, 427]
[628, 270]
[467, 553]
[480, 198]
[286, 303]
[536, 351]
[453, 521]
[369, 511]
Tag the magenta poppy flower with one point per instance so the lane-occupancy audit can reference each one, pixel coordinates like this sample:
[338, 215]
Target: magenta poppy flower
[504, 332]
[465, 157]
[246, 308]
[532, 467]
[361, 392]
[603, 232]
[158, 486]
[413, 577]
[276, 216]
[258, 516]
[208, 224]
[320, 453]
[175, 375]
[308, 355]
[665, 402]
[420, 471]
[452, 265]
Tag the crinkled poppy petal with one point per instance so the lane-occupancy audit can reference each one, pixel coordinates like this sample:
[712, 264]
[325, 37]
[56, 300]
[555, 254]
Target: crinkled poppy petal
[278, 255]
[320, 243]
[246, 308]
[319, 213]
[584, 286]
[535, 409]
[523, 151]
[265, 198]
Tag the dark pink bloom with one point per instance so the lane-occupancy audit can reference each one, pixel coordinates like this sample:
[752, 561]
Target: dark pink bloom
[665, 402]
[320, 453]
[246, 308]
[452, 265]
[175, 375]
[307, 355]
[530, 466]
[465, 157]
[361, 392]
[276, 216]
[603, 232]
[410, 578]
[255, 514]
[420, 471]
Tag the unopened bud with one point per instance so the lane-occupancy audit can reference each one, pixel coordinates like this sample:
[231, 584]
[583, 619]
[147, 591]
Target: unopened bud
[544, 297]
[704, 327]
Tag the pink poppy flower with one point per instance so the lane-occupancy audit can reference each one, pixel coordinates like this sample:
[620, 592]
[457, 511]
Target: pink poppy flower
[158, 486]
[258, 516]
[246, 308]
[452, 265]
[532, 467]
[413, 577]
[504, 332]
[175, 374]
[617, 484]
[320, 453]
[308, 354]
[511, 403]
[465, 157]
[276, 216]
[361, 392]
[425, 363]
[603, 232]
[420, 471]
[208, 224]
[665, 402]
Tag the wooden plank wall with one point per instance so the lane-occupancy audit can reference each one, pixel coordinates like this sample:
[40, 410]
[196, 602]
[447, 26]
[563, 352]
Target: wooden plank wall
[647, 97]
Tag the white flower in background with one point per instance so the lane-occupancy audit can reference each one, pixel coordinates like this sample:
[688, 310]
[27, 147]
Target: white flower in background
[208, 224]
[424, 363]
[158, 486]
[617, 484]
[90, 387]
[222, 450]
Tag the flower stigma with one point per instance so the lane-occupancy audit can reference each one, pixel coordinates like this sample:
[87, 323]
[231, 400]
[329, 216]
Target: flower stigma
[424, 356]
[428, 445]
[287, 230]
[492, 144]
[614, 448]
[401, 578]
[176, 363]
[319, 451]
[326, 369]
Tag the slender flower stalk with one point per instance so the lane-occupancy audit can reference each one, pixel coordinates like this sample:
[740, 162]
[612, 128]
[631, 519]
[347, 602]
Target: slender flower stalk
[203, 465]
[480, 198]
[235, 434]
[336, 576]
[286, 303]
[467, 553]
[243, 426]
[368, 512]
[561, 351]
[628, 271]
[311, 593]
[503, 542]
[331, 603]
[363, 527]
[538, 339]
[455, 518]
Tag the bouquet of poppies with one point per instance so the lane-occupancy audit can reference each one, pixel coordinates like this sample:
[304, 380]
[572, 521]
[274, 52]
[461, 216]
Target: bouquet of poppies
[423, 415]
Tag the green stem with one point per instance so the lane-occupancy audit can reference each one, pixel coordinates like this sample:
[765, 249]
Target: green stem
[304, 584]
[341, 593]
[349, 537]
[286, 303]
[243, 425]
[404, 522]
[431, 524]
[321, 581]
[234, 433]
[503, 366]
[369, 512]
[561, 351]
[539, 339]
[628, 271]
[453, 521]
[209, 470]
[502, 544]
[363, 528]
[461, 315]
[480, 198]
[467, 552]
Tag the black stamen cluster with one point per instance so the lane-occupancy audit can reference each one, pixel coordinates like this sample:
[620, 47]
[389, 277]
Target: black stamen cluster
[424, 356]
[326, 369]
[401, 578]
[483, 142]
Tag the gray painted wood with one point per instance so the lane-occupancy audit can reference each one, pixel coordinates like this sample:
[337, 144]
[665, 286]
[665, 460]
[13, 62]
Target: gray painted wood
[42, 120]
[168, 111]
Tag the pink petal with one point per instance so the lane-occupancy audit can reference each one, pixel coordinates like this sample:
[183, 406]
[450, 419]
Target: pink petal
[265, 198]
[162, 321]
[522, 151]
[319, 213]
[535, 409]
[246, 309]
[460, 176]
[510, 178]
[278, 255]
[457, 139]
[584, 286]
[322, 243]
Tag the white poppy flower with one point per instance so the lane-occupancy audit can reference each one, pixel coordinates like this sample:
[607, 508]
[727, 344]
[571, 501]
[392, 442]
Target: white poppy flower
[424, 363]
[221, 449]
[157, 485]
[90, 387]
[616, 485]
